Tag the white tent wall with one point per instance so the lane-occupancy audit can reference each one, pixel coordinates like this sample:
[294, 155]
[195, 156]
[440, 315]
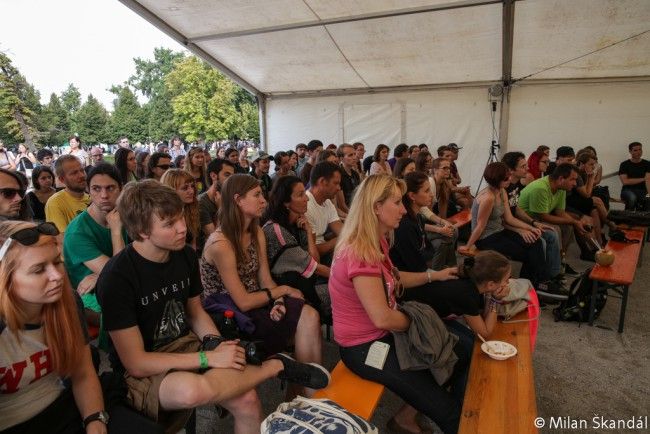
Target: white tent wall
[435, 117]
[607, 116]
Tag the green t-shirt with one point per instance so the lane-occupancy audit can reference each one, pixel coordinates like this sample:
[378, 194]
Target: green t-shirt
[537, 198]
[85, 240]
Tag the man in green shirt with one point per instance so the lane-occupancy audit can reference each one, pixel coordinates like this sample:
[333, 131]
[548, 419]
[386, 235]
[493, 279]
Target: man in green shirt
[545, 199]
[94, 236]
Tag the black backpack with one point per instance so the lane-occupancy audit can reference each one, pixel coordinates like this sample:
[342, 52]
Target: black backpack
[576, 307]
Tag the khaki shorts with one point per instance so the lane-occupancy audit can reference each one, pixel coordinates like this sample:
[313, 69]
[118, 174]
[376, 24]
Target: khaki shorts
[143, 393]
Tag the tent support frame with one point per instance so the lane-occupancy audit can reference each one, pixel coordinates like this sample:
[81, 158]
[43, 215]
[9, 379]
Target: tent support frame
[340, 20]
[506, 65]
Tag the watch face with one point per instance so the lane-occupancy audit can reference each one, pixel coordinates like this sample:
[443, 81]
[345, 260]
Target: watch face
[103, 416]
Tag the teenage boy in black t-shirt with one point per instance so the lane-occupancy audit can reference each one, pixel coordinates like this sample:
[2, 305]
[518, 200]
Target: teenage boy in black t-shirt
[149, 293]
[635, 176]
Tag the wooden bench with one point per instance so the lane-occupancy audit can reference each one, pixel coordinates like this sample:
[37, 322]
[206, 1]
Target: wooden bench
[461, 218]
[500, 395]
[352, 392]
[620, 275]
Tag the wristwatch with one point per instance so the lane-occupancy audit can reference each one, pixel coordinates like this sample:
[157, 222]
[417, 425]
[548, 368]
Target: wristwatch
[101, 416]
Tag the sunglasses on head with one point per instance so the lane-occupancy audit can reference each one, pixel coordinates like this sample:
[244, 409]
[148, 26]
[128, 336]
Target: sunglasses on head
[28, 236]
[10, 193]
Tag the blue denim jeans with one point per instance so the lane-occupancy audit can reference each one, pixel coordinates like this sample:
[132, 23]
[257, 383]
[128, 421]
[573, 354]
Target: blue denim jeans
[551, 244]
[633, 198]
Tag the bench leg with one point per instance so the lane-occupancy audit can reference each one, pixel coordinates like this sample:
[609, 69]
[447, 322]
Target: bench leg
[621, 320]
[592, 303]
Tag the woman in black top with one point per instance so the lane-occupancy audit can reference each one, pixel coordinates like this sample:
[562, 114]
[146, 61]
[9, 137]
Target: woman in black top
[43, 182]
[290, 242]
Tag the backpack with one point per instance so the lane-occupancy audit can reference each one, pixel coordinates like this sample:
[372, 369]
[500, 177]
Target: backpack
[630, 217]
[315, 416]
[576, 307]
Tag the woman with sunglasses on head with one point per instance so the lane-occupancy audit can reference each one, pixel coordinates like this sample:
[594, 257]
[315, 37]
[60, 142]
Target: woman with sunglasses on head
[42, 340]
[43, 182]
[183, 183]
[520, 242]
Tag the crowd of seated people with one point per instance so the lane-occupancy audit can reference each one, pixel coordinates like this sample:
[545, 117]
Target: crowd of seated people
[155, 251]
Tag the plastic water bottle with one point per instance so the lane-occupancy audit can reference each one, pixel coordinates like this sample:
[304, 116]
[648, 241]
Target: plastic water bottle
[229, 328]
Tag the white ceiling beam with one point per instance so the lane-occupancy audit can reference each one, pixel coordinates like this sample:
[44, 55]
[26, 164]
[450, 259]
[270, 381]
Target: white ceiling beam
[347, 19]
[428, 87]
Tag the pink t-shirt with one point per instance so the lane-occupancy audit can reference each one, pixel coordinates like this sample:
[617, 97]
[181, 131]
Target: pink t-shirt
[352, 325]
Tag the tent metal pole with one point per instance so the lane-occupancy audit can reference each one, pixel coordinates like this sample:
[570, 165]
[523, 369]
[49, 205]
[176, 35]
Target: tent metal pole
[506, 65]
[261, 110]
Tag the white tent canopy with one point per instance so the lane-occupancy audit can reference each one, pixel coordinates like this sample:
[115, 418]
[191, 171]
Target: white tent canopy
[389, 71]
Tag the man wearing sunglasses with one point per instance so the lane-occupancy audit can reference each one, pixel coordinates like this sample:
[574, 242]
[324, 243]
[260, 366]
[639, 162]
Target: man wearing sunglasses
[159, 163]
[12, 193]
[66, 204]
[93, 237]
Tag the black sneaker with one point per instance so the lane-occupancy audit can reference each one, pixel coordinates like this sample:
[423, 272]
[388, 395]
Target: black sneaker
[568, 270]
[552, 290]
[311, 375]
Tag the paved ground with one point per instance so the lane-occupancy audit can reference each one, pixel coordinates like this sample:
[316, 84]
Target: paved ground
[580, 371]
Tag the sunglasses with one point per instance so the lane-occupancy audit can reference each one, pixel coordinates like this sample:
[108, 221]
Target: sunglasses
[164, 166]
[28, 236]
[10, 193]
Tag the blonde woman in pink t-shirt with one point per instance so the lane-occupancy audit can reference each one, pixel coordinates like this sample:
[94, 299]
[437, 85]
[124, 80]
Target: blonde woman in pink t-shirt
[363, 286]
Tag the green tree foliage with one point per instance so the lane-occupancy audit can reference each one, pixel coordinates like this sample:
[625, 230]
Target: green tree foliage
[149, 79]
[205, 102]
[71, 99]
[55, 121]
[128, 118]
[19, 105]
[90, 122]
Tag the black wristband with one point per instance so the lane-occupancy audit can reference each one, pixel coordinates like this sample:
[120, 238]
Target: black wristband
[268, 294]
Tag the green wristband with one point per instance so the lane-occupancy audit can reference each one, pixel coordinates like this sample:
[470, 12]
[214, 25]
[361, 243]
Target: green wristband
[203, 360]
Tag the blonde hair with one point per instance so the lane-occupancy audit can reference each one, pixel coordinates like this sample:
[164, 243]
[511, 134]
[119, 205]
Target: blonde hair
[360, 233]
[174, 178]
[61, 325]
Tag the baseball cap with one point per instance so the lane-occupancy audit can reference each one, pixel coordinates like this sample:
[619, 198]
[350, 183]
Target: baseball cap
[258, 155]
[454, 146]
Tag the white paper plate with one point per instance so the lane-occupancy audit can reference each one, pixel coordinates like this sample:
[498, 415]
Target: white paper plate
[498, 350]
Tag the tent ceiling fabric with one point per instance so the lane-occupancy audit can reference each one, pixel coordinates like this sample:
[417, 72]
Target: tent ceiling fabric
[410, 50]
[549, 32]
[460, 43]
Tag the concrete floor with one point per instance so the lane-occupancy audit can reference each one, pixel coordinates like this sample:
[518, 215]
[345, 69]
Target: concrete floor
[581, 372]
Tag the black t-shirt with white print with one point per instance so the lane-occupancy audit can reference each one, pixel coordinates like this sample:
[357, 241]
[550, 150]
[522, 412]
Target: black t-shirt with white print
[514, 191]
[134, 291]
